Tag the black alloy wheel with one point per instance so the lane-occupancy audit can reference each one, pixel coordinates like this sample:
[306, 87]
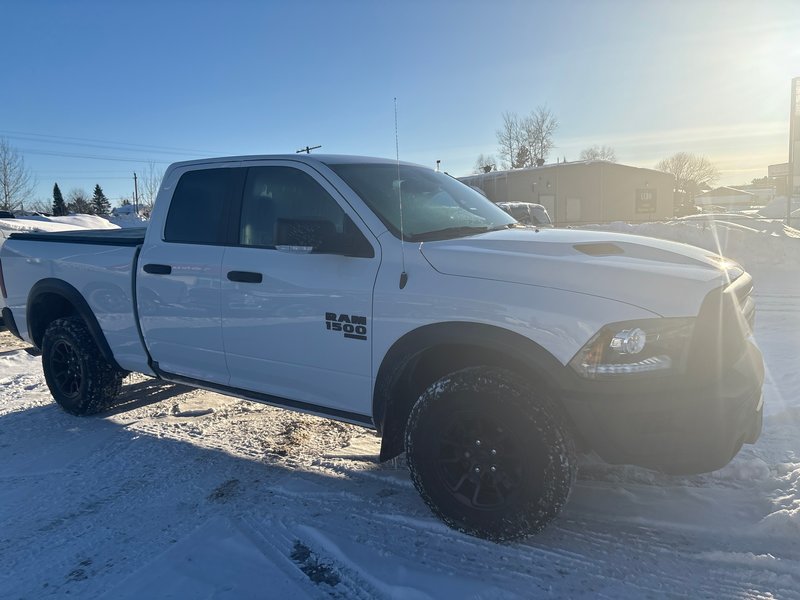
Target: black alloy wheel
[489, 455]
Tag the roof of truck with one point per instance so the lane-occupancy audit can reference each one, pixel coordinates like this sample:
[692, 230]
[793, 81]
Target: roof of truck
[327, 159]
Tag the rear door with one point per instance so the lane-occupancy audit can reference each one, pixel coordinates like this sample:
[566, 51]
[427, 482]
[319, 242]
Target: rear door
[179, 275]
[297, 292]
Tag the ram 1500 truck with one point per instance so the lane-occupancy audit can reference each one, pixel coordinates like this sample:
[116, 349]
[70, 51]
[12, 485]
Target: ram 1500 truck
[390, 296]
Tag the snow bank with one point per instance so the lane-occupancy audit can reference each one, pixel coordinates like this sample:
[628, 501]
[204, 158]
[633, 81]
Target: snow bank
[84, 222]
[8, 226]
[67, 223]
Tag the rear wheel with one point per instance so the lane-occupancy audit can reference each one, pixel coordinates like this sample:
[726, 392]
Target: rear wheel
[488, 455]
[80, 379]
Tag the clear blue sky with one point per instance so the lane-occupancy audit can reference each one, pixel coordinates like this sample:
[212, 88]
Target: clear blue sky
[171, 80]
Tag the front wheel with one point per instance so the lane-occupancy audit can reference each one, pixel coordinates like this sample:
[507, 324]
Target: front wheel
[80, 379]
[488, 455]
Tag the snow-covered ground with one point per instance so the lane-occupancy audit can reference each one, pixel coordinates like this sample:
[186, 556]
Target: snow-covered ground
[188, 494]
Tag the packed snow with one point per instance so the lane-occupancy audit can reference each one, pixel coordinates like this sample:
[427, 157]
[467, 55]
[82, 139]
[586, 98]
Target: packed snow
[188, 494]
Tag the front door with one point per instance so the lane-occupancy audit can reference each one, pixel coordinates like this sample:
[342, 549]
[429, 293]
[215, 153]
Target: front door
[297, 293]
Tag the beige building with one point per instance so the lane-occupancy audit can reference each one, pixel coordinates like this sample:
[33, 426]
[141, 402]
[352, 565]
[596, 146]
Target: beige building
[594, 191]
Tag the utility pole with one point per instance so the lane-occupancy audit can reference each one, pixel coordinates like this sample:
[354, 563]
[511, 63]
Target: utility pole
[135, 194]
[794, 149]
[307, 150]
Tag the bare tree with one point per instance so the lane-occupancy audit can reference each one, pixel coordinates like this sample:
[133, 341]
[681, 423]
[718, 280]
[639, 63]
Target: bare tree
[78, 202]
[691, 172]
[525, 142]
[16, 184]
[509, 139]
[484, 164]
[148, 188]
[599, 153]
[40, 205]
[539, 128]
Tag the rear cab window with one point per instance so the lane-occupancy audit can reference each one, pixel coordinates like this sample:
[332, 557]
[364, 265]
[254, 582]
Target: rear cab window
[198, 209]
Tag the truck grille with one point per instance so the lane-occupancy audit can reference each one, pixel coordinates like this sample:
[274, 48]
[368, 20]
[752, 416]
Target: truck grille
[742, 290]
[721, 330]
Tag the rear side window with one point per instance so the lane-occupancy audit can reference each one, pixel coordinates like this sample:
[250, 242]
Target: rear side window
[197, 210]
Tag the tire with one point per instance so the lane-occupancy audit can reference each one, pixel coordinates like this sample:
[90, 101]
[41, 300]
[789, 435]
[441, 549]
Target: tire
[489, 419]
[79, 378]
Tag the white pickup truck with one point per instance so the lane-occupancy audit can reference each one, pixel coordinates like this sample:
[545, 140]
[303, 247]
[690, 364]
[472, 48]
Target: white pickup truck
[486, 350]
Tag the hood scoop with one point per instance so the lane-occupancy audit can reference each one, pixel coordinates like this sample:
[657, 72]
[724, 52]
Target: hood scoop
[599, 249]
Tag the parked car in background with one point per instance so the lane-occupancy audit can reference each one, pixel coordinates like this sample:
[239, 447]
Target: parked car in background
[4, 214]
[527, 213]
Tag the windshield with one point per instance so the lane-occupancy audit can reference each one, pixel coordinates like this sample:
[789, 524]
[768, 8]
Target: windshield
[435, 206]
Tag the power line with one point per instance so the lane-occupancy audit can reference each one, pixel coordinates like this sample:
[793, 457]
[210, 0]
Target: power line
[83, 178]
[45, 137]
[80, 171]
[100, 146]
[92, 157]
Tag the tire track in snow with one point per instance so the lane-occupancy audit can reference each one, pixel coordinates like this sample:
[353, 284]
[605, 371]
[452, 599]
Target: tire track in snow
[278, 535]
[649, 560]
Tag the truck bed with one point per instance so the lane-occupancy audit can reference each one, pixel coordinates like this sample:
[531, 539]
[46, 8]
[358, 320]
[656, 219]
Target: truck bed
[132, 236]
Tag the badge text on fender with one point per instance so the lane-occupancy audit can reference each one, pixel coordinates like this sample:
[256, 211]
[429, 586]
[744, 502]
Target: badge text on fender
[353, 327]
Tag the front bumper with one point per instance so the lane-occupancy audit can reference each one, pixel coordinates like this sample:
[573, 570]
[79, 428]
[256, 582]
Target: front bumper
[683, 429]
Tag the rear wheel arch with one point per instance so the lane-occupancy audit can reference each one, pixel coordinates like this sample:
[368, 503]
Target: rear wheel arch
[428, 353]
[51, 299]
[81, 381]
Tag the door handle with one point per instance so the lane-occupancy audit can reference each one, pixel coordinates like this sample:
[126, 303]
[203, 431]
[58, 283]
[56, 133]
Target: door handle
[245, 276]
[154, 269]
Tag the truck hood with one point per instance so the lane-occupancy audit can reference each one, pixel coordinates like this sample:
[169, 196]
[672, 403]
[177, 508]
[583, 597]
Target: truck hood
[666, 278]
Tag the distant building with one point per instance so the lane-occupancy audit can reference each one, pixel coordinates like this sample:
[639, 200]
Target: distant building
[582, 192]
[126, 210]
[764, 192]
[731, 198]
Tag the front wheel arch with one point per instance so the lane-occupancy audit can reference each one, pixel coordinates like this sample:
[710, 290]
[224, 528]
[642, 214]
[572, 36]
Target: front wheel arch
[432, 351]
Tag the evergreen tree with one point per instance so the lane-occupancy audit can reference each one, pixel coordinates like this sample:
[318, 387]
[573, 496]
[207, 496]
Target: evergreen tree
[100, 204]
[523, 158]
[59, 206]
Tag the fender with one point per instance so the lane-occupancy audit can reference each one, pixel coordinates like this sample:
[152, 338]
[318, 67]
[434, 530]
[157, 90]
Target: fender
[57, 287]
[452, 345]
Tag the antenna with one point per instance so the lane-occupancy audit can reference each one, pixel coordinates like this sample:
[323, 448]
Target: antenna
[307, 150]
[403, 274]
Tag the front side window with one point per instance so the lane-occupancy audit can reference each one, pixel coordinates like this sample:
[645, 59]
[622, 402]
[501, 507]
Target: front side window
[435, 206]
[283, 206]
[197, 209]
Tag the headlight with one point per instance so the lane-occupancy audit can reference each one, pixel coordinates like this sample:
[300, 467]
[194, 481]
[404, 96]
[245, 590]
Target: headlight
[732, 270]
[635, 347]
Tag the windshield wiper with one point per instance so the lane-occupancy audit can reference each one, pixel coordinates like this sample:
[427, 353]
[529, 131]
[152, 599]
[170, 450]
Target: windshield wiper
[449, 233]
